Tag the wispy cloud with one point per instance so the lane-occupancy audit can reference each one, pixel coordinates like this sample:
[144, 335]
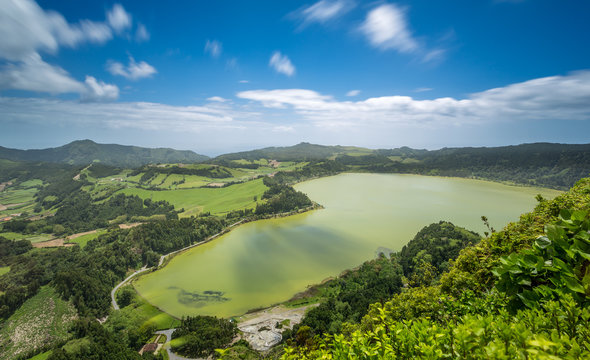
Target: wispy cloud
[281, 64]
[554, 98]
[217, 99]
[141, 34]
[119, 19]
[423, 89]
[353, 93]
[213, 48]
[133, 71]
[323, 11]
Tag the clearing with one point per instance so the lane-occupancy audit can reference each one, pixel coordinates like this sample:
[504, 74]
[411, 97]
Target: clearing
[42, 320]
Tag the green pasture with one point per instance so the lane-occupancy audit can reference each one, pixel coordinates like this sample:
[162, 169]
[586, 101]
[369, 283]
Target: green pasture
[12, 195]
[141, 313]
[33, 238]
[84, 239]
[213, 200]
[42, 356]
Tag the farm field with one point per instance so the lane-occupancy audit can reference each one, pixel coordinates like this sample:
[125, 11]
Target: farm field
[84, 239]
[215, 201]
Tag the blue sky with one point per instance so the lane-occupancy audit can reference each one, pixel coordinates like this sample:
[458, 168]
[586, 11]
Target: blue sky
[221, 76]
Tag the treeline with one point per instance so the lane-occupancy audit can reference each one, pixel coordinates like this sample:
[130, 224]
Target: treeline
[79, 212]
[549, 165]
[347, 298]
[212, 171]
[515, 294]
[281, 198]
[199, 336]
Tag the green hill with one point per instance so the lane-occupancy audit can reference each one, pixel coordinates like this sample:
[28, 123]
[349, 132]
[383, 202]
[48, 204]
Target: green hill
[300, 152]
[84, 152]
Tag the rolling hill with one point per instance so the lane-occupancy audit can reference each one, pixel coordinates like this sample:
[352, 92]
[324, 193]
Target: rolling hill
[83, 152]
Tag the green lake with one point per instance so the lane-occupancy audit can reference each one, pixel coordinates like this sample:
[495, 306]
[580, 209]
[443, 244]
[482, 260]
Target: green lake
[266, 262]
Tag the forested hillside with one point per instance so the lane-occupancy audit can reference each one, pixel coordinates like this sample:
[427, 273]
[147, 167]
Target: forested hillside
[84, 152]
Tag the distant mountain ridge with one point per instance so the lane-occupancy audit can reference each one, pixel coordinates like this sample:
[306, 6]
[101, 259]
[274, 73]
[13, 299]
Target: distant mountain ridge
[82, 152]
[301, 151]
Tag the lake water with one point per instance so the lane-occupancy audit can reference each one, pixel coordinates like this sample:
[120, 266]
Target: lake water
[266, 262]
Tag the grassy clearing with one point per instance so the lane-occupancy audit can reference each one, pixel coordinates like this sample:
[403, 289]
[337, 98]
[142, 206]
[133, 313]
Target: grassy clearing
[42, 320]
[42, 356]
[141, 313]
[215, 201]
[32, 238]
[84, 239]
[4, 270]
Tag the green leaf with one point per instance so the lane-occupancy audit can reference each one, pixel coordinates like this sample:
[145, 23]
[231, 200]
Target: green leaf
[554, 232]
[565, 214]
[542, 242]
[573, 284]
[579, 215]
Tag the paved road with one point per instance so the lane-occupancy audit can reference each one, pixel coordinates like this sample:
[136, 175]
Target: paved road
[113, 300]
[171, 355]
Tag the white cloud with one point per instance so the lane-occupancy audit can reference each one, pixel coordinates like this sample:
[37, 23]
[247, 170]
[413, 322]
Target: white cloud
[386, 28]
[353, 93]
[26, 28]
[325, 10]
[133, 71]
[122, 115]
[118, 18]
[217, 99]
[281, 63]
[423, 89]
[33, 74]
[550, 98]
[99, 91]
[213, 48]
[243, 81]
[141, 34]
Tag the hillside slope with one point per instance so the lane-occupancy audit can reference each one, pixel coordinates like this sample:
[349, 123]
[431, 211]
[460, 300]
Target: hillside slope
[84, 152]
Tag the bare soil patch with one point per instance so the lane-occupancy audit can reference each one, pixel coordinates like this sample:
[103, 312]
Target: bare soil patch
[129, 226]
[52, 243]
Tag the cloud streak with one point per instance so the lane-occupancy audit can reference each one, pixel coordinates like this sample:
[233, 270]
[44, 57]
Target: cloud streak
[549, 98]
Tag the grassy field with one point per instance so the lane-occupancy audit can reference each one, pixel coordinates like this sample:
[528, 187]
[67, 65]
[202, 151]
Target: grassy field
[4, 270]
[32, 238]
[140, 313]
[42, 356]
[216, 201]
[84, 239]
[42, 320]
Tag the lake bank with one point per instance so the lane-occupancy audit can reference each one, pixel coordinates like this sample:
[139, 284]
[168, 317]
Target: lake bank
[266, 262]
